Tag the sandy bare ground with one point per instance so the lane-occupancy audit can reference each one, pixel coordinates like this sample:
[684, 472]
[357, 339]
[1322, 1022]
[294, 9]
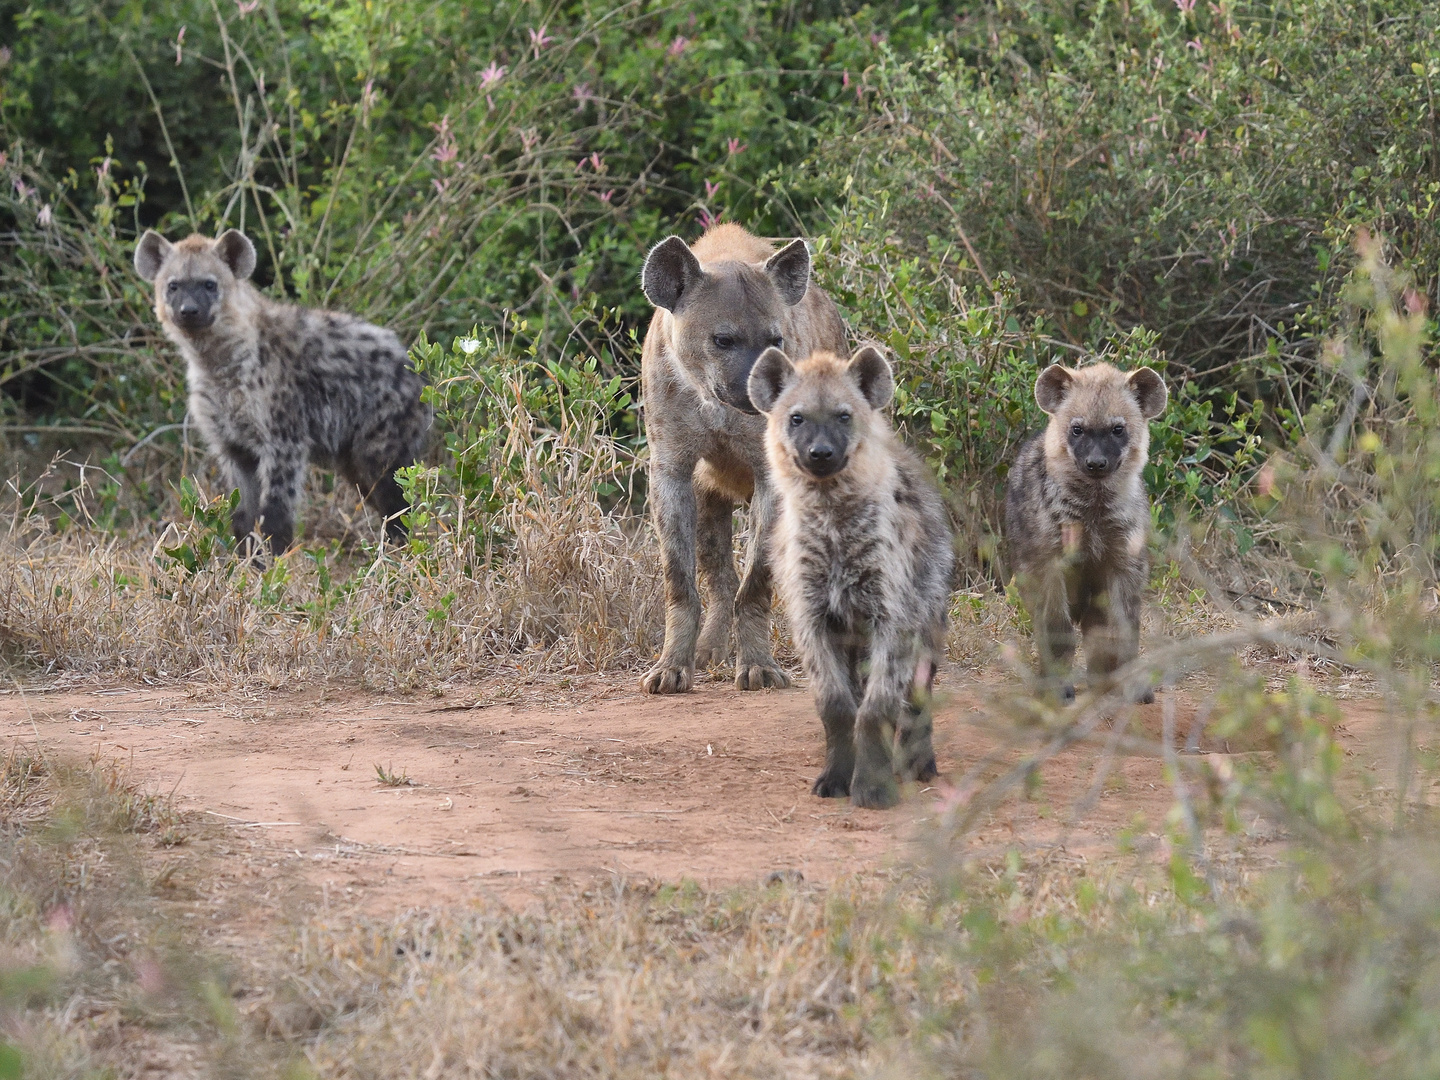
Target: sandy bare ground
[569, 784]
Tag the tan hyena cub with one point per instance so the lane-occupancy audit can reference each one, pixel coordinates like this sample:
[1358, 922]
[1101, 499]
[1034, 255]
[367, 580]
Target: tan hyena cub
[864, 560]
[1077, 517]
[274, 386]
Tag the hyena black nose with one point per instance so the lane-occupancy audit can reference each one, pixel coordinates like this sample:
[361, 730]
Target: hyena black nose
[1096, 464]
[188, 307]
[821, 452]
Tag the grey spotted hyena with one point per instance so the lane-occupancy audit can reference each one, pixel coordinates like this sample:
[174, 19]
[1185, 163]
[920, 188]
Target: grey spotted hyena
[864, 558]
[274, 386]
[719, 305]
[1077, 518]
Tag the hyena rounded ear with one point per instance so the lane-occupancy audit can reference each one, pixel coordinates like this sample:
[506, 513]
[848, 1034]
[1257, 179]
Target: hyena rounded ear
[671, 270]
[237, 252]
[1052, 386]
[871, 373]
[768, 378]
[789, 269]
[150, 252]
[1149, 390]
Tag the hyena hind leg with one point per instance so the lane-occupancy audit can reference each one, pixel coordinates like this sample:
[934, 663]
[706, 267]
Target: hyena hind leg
[375, 477]
[714, 515]
[915, 749]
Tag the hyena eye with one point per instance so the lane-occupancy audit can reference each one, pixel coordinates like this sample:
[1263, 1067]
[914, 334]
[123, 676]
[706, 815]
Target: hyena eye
[174, 286]
[796, 419]
[777, 341]
[843, 417]
[211, 286]
[1118, 429]
[724, 341]
[1077, 428]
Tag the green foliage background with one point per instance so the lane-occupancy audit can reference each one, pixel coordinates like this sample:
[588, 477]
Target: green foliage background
[991, 187]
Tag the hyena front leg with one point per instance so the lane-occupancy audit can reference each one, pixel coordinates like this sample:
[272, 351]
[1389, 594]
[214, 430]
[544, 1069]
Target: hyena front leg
[1111, 625]
[892, 668]
[755, 666]
[829, 661]
[242, 469]
[713, 530]
[672, 495]
[1046, 599]
[281, 472]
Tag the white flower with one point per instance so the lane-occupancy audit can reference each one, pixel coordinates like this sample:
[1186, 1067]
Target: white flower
[45, 216]
[469, 346]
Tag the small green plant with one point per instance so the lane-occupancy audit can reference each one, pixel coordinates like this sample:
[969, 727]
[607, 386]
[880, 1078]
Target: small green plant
[388, 777]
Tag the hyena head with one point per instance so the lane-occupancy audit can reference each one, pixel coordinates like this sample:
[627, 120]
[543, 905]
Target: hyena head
[1099, 419]
[726, 314]
[194, 277]
[823, 411]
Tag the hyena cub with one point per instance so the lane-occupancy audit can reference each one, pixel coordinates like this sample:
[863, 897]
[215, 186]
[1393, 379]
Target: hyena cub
[1077, 517]
[864, 560]
[274, 386]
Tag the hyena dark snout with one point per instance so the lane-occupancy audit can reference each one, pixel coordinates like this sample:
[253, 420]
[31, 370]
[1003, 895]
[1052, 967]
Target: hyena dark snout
[1098, 449]
[819, 442]
[193, 302]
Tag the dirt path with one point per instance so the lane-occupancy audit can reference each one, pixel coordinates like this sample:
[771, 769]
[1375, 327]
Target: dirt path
[712, 786]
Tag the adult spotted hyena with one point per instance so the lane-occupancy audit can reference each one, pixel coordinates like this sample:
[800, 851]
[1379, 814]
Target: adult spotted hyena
[864, 559]
[274, 386]
[719, 305]
[1077, 517]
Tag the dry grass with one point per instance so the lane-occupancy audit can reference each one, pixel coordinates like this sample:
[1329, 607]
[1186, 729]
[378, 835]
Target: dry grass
[784, 979]
[573, 588]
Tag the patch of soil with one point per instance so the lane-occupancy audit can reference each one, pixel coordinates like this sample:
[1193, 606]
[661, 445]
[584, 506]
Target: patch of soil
[592, 781]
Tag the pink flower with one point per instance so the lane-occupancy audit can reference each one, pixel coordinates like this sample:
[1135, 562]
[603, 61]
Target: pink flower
[596, 162]
[678, 46]
[845, 80]
[1414, 302]
[447, 151]
[735, 146]
[491, 75]
[711, 189]
[528, 138]
[539, 39]
[1195, 44]
[23, 190]
[179, 46]
[246, 6]
[707, 219]
[1185, 6]
[581, 94]
[45, 216]
[876, 39]
[441, 186]
[605, 196]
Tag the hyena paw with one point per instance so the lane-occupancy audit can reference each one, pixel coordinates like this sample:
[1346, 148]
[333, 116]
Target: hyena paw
[759, 676]
[667, 679]
[708, 656]
[832, 784]
[924, 772]
[874, 792]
